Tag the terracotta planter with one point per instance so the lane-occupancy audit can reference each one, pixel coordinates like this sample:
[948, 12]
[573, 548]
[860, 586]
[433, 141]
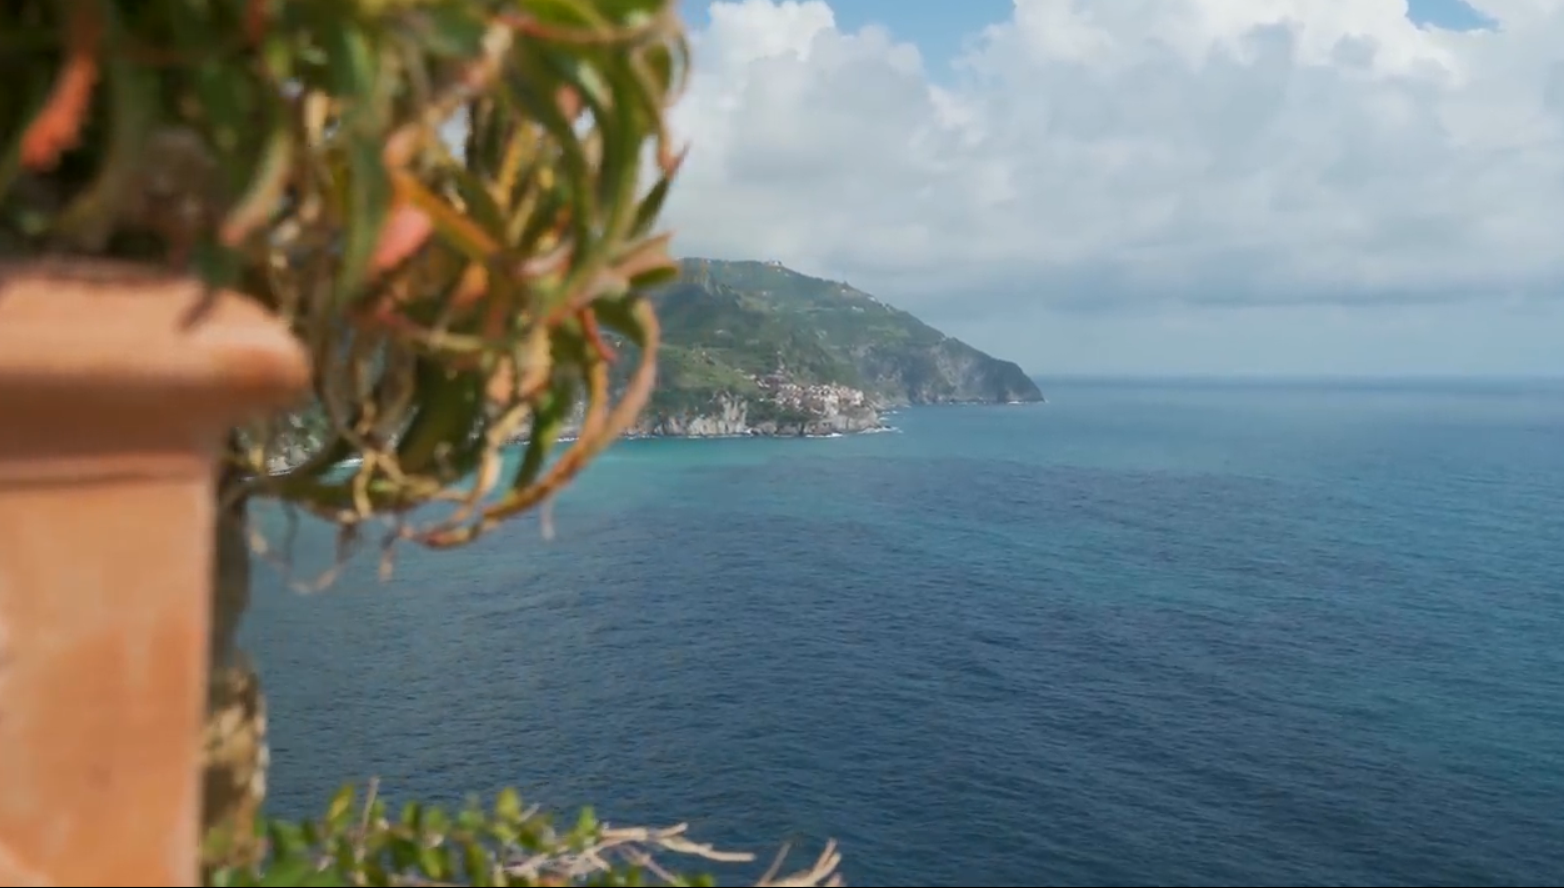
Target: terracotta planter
[116, 384]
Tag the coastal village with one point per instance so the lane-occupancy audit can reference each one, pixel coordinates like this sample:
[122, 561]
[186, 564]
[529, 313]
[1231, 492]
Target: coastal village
[826, 399]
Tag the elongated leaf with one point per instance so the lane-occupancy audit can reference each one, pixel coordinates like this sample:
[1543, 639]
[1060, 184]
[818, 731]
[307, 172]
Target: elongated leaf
[450, 402]
[456, 229]
[369, 206]
[266, 189]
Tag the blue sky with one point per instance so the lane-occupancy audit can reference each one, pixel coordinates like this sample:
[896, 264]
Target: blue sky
[937, 27]
[940, 27]
[1282, 187]
[1447, 14]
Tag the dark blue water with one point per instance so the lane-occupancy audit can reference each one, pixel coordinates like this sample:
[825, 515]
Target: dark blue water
[1142, 635]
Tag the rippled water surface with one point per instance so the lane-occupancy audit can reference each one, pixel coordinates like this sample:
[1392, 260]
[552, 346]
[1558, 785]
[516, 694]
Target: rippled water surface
[1141, 635]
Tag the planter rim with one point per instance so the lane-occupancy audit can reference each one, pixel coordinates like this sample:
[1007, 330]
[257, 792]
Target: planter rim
[70, 325]
[113, 369]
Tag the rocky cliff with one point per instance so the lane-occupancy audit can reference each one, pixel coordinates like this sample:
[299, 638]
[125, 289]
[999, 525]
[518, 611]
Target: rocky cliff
[786, 410]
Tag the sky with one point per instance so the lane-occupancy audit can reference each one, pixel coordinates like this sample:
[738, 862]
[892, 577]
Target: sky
[1151, 187]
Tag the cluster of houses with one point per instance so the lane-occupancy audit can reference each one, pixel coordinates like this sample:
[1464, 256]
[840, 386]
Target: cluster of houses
[826, 398]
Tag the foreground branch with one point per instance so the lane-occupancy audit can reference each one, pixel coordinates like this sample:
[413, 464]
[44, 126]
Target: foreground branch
[358, 844]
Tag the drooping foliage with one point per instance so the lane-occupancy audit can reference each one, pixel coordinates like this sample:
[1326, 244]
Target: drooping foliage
[449, 200]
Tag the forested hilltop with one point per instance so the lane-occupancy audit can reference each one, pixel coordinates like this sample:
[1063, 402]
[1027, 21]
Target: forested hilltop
[757, 348]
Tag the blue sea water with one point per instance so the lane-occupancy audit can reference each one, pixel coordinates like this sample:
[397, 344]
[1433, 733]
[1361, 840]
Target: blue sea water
[1145, 634]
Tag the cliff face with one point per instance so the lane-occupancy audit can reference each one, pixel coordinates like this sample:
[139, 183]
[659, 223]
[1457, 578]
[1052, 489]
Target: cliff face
[825, 410]
[756, 348]
[949, 371]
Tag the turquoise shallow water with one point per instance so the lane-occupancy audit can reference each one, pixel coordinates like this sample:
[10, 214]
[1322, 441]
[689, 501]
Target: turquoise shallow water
[1144, 634]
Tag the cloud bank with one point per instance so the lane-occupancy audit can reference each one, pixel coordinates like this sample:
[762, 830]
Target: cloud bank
[1117, 155]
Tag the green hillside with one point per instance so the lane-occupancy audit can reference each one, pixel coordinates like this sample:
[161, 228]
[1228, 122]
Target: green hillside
[725, 323]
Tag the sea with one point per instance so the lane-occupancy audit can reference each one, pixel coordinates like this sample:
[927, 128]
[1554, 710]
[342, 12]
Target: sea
[1147, 633]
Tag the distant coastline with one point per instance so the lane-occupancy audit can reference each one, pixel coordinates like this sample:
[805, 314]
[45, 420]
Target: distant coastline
[294, 452]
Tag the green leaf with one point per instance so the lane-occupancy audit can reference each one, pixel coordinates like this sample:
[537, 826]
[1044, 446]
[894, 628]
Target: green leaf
[354, 68]
[351, 59]
[265, 189]
[449, 29]
[341, 808]
[472, 818]
[218, 266]
[548, 422]
[449, 405]
[299, 873]
[522, 83]
[287, 839]
[222, 90]
[432, 862]
[656, 277]
[344, 857]
[507, 806]
[570, 13]
[663, 64]
[480, 205]
[620, 314]
[375, 874]
[458, 229]
[278, 56]
[651, 206]
[412, 814]
[435, 821]
[586, 829]
[368, 207]
[404, 852]
[479, 867]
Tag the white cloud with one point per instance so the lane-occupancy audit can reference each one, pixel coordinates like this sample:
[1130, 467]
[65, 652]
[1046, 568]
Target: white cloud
[1137, 151]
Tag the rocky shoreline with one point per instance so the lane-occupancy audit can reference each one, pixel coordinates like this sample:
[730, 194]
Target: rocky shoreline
[786, 411]
[782, 410]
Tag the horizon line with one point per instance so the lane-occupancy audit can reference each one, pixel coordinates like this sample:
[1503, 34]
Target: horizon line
[1144, 377]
